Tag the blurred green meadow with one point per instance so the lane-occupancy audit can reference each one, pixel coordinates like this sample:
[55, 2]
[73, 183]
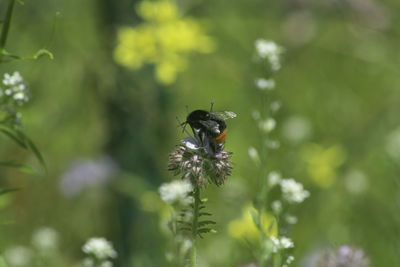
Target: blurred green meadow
[102, 113]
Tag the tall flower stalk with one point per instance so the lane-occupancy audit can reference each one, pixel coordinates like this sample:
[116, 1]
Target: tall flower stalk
[197, 168]
[274, 249]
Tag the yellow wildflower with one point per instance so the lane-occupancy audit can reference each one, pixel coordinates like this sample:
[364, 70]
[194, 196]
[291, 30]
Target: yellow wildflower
[322, 163]
[245, 228]
[165, 39]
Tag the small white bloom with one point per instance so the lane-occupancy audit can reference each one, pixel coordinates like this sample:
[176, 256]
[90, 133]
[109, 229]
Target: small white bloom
[266, 48]
[88, 262]
[253, 154]
[290, 219]
[169, 256]
[269, 50]
[106, 264]
[281, 243]
[8, 92]
[100, 248]
[275, 106]
[186, 246]
[265, 84]
[256, 115]
[274, 178]
[19, 96]
[267, 125]
[176, 192]
[12, 79]
[276, 206]
[19, 256]
[273, 144]
[355, 181]
[45, 239]
[289, 260]
[297, 129]
[293, 191]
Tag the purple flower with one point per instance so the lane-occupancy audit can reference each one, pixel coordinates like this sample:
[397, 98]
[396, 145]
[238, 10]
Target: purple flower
[86, 172]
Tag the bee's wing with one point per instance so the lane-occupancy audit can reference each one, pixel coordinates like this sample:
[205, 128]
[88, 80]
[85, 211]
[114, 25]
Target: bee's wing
[225, 114]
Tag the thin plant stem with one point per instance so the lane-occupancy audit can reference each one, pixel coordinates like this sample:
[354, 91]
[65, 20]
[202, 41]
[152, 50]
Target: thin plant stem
[196, 195]
[5, 28]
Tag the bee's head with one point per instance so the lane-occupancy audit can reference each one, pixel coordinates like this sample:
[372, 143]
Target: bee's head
[195, 116]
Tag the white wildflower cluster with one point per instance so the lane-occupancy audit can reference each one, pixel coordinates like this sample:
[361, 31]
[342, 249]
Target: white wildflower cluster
[293, 191]
[45, 240]
[13, 89]
[19, 256]
[274, 178]
[267, 125]
[176, 192]
[288, 261]
[100, 250]
[281, 243]
[276, 206]
[269, 50]
[265, 84]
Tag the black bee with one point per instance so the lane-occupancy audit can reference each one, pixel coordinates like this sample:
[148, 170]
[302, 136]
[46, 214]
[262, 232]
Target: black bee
[209, 128]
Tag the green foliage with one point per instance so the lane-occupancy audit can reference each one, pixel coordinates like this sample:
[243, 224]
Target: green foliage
[339, 75]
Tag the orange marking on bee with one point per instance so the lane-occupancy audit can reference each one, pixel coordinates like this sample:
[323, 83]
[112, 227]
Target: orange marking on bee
[221, 137]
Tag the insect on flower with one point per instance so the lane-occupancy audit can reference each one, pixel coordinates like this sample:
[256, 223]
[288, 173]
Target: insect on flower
[209, 128]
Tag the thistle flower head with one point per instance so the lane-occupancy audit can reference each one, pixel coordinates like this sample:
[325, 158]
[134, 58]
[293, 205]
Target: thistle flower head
[198, 166]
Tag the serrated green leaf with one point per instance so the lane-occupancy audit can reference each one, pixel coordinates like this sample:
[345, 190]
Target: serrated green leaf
[203, 223]
[204, 230]
[21, 167]
[183, 222]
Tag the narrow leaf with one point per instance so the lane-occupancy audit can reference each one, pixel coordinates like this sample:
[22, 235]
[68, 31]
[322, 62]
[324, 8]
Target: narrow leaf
[11, 133]
[204, 230]
[34, 149]
[4, 191]
[204, 213]
[203, 223]
[21, 167]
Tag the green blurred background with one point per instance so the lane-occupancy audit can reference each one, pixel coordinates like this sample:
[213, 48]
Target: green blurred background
[106, 130]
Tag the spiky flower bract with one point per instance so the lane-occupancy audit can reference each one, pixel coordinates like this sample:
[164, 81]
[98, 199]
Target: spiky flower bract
[197, 165]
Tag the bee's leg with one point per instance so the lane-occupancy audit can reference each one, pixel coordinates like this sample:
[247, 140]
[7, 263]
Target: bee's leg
[183, 125]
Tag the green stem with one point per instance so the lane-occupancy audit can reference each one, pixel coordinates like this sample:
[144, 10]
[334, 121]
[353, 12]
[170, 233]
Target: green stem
[196, 195]
[6, 27]
[277, 260]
